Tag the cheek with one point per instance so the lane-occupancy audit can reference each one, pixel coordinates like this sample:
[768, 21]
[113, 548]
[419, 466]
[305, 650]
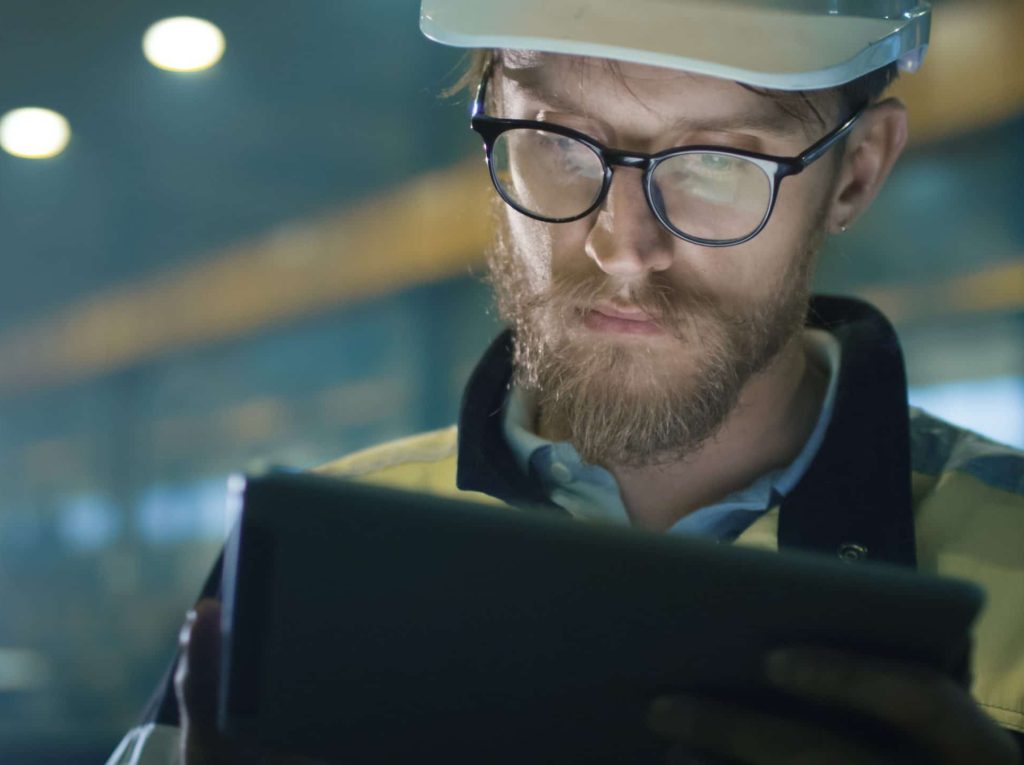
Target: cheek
[532, 243]
[568, 246]
[804, 201]
[754, 269]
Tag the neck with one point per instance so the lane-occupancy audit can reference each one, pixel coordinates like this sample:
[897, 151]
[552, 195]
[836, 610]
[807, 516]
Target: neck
[768, 427]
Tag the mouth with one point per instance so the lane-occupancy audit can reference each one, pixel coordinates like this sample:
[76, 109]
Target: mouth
[619, 320]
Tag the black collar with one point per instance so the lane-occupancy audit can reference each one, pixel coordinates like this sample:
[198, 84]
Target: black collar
[855, 497]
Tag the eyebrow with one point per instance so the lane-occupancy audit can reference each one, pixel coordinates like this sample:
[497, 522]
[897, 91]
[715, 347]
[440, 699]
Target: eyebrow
[774, 122]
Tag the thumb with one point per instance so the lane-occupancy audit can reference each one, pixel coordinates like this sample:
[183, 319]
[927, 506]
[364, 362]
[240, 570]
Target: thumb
[196, 681]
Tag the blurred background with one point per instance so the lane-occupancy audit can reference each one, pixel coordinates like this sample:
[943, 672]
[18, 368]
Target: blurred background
[275, 260]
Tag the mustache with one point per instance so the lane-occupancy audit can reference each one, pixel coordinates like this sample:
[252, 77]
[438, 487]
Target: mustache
[673, 307]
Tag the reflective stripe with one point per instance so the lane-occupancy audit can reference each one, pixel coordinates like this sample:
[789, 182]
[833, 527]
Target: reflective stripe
[939, 447]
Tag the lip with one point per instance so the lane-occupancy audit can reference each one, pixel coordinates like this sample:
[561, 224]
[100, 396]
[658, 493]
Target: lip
[605, 318]
[618, 313]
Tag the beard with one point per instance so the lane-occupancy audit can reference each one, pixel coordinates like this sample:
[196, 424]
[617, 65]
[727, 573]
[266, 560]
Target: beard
[636, 404]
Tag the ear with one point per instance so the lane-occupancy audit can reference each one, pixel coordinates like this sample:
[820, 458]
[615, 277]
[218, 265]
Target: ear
[871, 150]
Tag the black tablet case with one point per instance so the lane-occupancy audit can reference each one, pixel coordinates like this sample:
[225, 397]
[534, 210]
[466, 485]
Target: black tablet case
[370, 625]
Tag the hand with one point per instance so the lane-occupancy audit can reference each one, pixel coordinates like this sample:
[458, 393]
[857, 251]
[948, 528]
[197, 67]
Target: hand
[940, 720]
[195, 684]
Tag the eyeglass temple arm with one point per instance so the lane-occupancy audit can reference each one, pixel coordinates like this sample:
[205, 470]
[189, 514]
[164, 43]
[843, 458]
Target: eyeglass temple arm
[481, 92]
[826, 143]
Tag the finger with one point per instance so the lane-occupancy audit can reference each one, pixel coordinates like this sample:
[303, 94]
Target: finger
[195, 683]
[181, 668]
[746, 736]
[203, 664]
[922, 703]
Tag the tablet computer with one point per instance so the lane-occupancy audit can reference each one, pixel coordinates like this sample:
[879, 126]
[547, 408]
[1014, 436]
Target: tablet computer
[365, 624]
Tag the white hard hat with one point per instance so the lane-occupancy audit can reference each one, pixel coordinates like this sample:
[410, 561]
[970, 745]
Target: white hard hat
[781, 44]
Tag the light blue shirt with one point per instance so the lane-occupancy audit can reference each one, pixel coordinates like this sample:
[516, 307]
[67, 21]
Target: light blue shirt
[591, 492]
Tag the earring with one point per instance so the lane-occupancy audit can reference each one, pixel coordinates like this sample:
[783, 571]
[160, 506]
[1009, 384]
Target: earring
[842, 228]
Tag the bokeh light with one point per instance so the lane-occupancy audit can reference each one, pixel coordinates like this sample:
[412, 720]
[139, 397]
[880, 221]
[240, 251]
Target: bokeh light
[183, 44]
[34, 133]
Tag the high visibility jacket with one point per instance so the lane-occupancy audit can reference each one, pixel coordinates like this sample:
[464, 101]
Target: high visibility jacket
[889, 483]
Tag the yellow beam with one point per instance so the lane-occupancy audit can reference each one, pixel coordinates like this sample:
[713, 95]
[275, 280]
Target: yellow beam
[428, 230]
[997, 288]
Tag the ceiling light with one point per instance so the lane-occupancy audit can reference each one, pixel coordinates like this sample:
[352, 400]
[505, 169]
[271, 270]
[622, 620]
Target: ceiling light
[34, 133]
[183, 44]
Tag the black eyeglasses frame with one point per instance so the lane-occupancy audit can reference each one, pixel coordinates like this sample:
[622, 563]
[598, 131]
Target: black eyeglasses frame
[775, 168]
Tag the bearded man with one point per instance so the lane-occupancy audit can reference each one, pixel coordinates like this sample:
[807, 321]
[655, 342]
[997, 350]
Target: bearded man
[666, 174]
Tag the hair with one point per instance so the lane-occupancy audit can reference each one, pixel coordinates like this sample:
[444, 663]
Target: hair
[800, 104]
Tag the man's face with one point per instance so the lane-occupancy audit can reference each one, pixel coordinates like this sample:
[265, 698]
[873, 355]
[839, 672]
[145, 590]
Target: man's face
[638, 343]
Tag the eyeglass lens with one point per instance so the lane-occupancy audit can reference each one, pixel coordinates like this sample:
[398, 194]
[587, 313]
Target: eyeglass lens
[706, 195]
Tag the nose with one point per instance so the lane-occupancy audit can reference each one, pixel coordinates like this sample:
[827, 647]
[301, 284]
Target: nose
[626, 239]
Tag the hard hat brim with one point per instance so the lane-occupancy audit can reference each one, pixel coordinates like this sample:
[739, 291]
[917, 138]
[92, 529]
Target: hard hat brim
[762, 46]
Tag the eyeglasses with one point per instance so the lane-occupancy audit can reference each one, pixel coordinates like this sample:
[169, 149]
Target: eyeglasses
[714, 196]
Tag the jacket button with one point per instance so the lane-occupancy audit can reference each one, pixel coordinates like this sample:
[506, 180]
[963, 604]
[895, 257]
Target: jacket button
[851, 552]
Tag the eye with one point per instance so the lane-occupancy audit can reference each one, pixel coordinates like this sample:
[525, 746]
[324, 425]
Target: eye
[718, 162]
[555, 141]
[571, 155]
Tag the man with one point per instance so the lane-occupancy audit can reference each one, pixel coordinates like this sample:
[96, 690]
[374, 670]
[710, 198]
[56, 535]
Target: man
[669, 170]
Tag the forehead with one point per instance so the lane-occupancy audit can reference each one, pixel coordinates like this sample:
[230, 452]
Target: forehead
[614, 90]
